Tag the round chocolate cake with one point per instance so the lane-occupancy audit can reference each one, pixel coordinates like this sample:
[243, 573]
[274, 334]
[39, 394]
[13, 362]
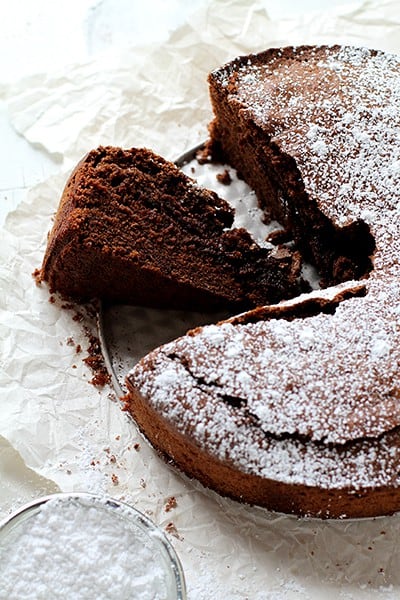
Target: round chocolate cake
[296, 406]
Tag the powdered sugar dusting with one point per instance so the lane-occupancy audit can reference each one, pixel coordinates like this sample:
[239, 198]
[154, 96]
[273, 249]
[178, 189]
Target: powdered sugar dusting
[313, 400]
[349, 100]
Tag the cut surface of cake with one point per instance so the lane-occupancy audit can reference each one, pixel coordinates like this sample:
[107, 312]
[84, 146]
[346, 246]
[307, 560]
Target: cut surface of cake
[132, 228]
[296, 406]
[289, 122]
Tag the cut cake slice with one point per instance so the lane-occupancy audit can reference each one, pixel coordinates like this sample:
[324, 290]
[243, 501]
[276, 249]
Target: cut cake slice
[132, 228]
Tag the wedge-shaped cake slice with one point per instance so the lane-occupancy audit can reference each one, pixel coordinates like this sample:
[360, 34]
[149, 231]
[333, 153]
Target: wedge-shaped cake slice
[132, 228]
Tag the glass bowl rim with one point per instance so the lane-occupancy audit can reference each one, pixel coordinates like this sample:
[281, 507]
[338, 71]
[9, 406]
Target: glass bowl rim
[109, 503]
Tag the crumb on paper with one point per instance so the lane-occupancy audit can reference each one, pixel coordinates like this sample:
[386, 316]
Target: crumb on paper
[37, 275]
[224, 177]
[114, 479]
[203, 155]
[279, 236]
[172, 530]
[95, 362]
[170, 504]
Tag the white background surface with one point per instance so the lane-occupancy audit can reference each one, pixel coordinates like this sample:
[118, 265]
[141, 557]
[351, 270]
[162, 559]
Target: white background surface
[45, 35]
[309, 561]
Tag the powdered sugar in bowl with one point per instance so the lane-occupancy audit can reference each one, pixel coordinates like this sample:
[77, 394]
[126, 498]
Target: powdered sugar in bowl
[81, 547]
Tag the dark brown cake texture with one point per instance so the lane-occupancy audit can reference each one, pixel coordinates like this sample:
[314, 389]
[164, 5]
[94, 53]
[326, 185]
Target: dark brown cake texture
[132, 228]
[296, 406]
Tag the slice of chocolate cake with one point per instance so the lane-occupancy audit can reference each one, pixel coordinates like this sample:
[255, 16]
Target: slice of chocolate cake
[132, 228]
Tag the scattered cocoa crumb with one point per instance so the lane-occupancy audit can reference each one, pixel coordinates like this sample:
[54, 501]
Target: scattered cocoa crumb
[171, 529]
[203, 155]
[69, 472]
[68, 306]
[224, 177]
[136, 447]
[37, 275]
[52, 299]
[78, 317]
[78, 349]
[70, 341]
[95, 362]
[100, 379]
[107, 450]
[170, 504]
[113, 459]
[118, 437]
[279, 236]
[93, 463]
[142, 483]
[74, 366]
[114, 479]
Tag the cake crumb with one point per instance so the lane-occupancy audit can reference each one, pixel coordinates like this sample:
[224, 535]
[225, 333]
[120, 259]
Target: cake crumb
[224, 177]
[170, 504]
[203, 155]
[95, 362]
[37, 275]
[172, 530]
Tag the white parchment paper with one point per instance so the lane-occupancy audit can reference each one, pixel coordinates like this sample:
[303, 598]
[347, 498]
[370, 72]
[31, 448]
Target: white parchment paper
[57, 431]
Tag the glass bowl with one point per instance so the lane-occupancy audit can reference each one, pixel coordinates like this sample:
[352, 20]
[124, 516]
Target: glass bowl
[85, 546]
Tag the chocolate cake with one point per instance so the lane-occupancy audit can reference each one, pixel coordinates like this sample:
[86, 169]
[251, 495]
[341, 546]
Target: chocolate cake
[132, 228]
[296, 406]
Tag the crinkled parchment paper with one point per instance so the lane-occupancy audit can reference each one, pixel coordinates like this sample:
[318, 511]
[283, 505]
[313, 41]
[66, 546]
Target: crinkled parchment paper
[57, 431]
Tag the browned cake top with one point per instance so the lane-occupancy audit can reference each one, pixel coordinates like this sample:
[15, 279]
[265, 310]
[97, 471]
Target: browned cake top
[335, 110]
[257, 392]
